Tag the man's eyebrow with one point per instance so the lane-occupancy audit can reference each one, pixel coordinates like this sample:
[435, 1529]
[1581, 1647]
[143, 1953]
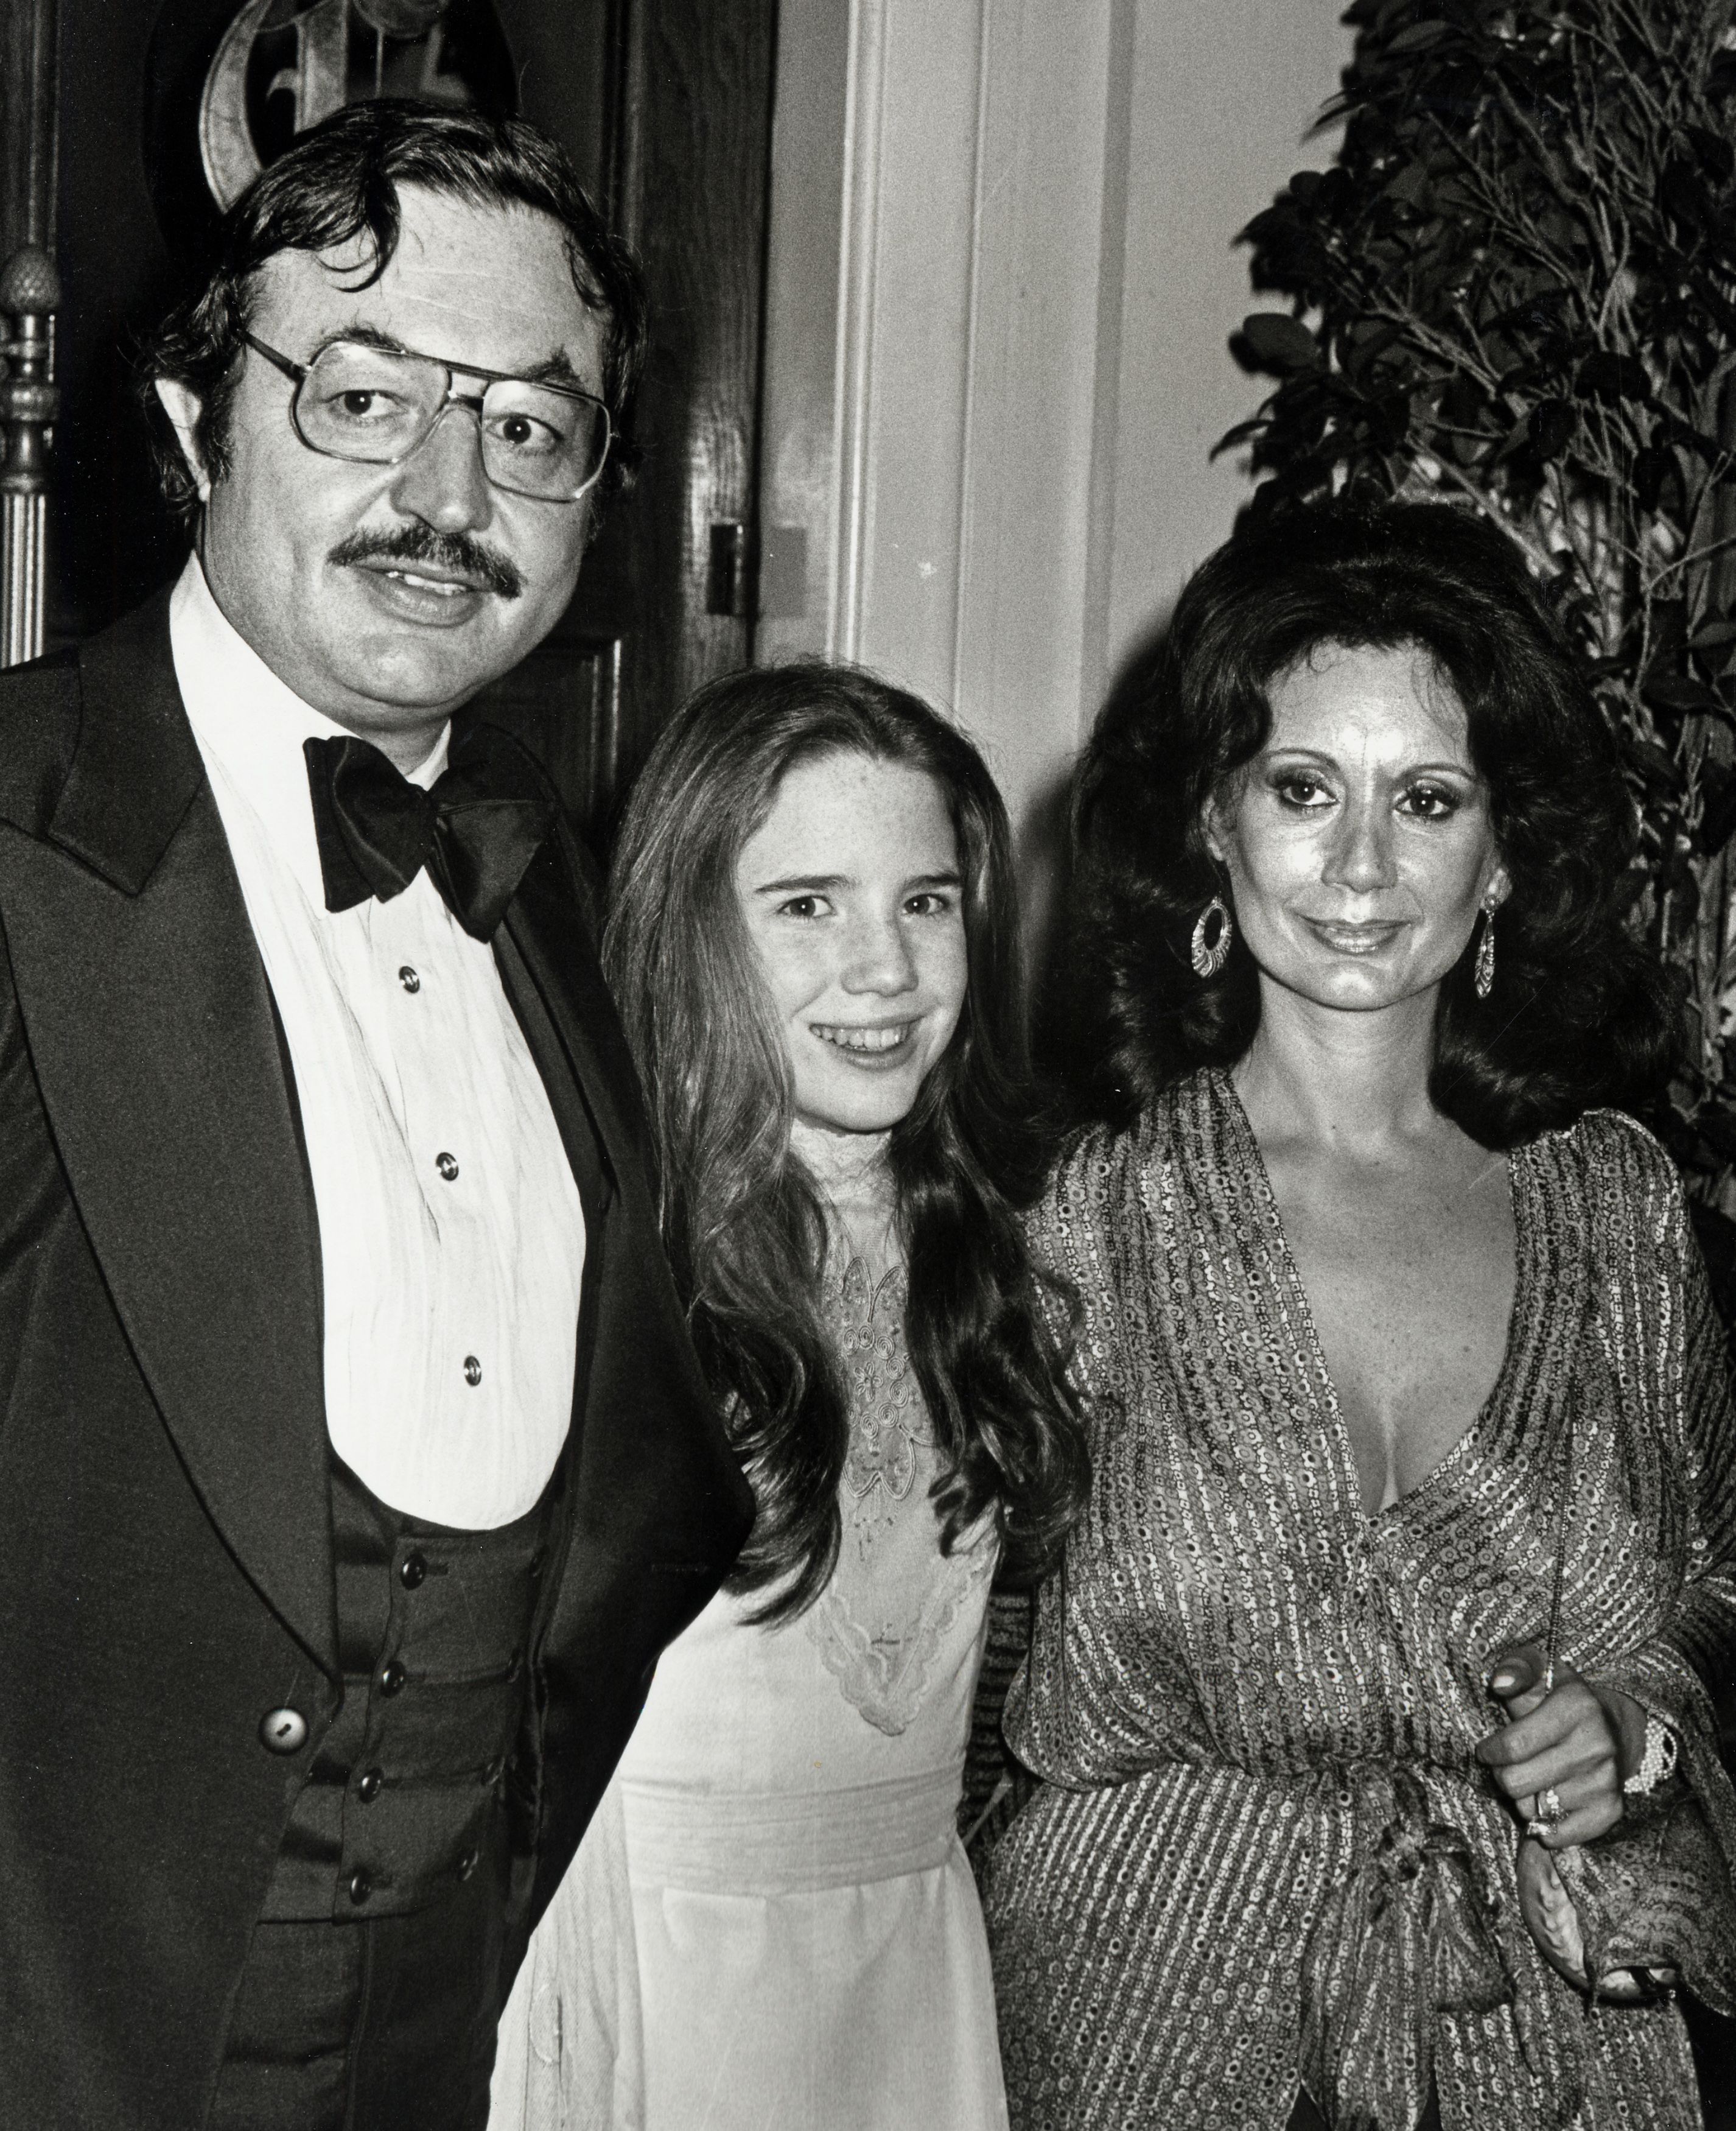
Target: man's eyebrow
[369, 336]
[555, 368]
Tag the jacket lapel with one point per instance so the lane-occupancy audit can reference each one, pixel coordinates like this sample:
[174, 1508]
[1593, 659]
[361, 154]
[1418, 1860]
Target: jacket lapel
[149, 1024]
[545, 920]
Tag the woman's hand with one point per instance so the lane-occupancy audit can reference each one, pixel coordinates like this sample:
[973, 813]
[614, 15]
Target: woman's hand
[1578, 1741]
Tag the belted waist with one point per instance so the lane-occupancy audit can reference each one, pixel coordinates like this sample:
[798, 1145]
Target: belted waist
[407, 1790]
[1413, 1931]
[789, 1843]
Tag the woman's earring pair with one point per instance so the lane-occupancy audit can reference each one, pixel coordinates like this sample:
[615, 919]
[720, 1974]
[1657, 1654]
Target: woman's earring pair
[1212, 933]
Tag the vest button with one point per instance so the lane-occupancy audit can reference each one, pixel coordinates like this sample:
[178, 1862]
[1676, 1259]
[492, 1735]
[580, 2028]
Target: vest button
[392, 1677]
[468, 1863]
[413, 1571]
[283, 1730]
[362, 1884]
[514, 1666]
[368, 1784]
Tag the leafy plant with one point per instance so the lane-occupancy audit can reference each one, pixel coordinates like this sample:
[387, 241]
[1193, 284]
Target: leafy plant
[1518, 286]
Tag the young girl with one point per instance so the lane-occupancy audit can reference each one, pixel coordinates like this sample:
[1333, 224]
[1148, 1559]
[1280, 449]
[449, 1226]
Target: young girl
[813, 943]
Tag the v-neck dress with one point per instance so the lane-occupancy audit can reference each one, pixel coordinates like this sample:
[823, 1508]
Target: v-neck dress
[1263, 1854]
[772, 1925]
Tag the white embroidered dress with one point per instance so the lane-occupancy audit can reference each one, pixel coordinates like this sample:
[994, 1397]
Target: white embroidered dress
[772, 1925]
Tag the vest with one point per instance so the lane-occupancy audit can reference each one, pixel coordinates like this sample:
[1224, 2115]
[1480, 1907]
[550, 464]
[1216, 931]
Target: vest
[413, 1783]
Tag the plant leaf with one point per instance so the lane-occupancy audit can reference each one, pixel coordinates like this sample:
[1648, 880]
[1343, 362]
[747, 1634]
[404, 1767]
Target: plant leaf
[1675, 692]
[1417, 38]
[1282, 341]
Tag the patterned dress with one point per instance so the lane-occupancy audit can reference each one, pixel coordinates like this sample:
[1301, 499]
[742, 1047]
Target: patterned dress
[1262, 1853]
[771, 1926]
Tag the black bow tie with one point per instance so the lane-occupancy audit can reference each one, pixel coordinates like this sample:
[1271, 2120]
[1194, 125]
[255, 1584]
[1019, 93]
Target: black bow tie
[476, 831]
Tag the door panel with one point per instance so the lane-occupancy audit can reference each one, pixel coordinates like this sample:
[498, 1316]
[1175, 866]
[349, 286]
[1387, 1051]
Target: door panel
[689, 159]
[696, 163]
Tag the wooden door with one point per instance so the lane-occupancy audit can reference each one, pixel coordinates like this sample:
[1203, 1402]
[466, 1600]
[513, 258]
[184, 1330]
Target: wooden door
[666, 598]
[27, 115]
[664, 107]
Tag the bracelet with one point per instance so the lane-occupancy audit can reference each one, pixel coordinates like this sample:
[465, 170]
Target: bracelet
[1658, 1761]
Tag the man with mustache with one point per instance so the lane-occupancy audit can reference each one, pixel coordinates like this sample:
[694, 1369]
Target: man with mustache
[354, 1466]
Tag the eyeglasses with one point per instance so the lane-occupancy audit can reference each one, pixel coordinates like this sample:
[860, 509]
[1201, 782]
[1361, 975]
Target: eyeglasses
[376, 405]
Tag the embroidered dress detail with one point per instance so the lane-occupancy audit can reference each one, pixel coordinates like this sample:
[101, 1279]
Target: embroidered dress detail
[887, 1422]
[894, 1596]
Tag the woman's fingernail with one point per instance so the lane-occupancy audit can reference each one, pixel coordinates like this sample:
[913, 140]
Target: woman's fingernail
[1502, 1680]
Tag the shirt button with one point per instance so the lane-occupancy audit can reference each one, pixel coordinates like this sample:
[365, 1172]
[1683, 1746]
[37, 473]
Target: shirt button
[392, 1678]
[409, 978]
[447, 1165]
[413, 1571]
[362, 1884]
[368, 1784]
[472, 1371]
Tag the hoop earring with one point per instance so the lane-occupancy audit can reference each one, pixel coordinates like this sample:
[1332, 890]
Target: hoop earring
[1209, 958]
[1482, 974]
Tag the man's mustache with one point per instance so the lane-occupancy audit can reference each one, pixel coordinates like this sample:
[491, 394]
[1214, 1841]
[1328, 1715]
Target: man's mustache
[410, 544]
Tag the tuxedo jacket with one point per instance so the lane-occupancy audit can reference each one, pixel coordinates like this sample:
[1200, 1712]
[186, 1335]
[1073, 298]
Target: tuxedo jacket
[165, 1545]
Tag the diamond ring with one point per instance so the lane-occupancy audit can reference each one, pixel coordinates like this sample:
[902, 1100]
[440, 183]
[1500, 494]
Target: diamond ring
[1549, 1811]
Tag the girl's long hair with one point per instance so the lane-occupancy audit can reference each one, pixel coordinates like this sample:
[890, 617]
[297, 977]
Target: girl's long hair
[744, 1225]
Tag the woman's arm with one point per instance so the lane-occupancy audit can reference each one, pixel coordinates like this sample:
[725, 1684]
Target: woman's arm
[1673, 1363]
[1588, 1738]
[1686, 1672]
[1659, 1892]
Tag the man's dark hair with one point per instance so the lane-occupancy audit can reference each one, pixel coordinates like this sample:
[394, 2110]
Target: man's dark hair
[340, 181]
[1579, 1014]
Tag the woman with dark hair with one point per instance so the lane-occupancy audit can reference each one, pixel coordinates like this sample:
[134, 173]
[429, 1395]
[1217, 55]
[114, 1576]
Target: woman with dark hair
[1370, 1705]
[813, 943]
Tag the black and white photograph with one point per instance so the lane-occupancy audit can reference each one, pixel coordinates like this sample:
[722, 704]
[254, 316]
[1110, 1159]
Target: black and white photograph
[867, 1065]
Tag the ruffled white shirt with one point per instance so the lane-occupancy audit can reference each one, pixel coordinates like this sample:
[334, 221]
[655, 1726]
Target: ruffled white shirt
[451, 1235]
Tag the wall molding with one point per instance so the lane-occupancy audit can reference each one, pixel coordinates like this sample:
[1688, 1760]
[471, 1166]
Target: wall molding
[858, 242]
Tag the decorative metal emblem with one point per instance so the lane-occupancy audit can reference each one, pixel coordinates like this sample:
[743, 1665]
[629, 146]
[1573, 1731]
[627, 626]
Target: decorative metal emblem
[281, 67]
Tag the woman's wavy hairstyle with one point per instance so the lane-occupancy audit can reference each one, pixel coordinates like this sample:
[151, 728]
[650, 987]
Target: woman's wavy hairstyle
[1578, 1015]
[743, 1223]
[341, 181]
